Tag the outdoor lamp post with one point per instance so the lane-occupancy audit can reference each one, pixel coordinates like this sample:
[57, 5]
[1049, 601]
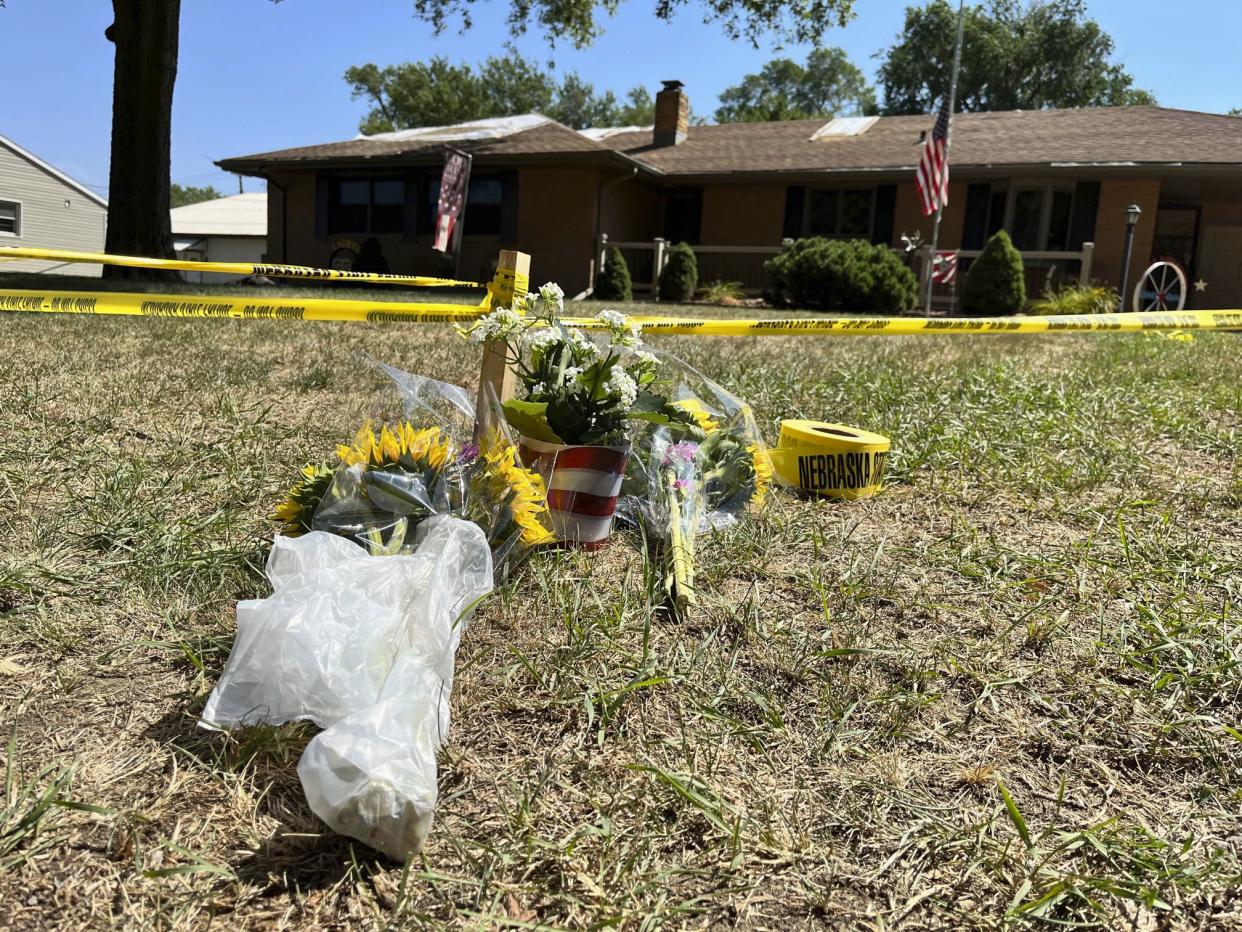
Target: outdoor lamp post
[1133, 212]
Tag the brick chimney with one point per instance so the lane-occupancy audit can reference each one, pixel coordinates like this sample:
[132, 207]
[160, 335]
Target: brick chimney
[672, 115]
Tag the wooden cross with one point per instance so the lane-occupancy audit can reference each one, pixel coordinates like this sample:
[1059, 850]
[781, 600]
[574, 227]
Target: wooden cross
[512, 281]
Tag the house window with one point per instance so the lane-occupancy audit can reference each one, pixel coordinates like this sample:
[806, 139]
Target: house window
[985, 214]
[1053, 217]
[366, 205]
[484, 204]
[843, 214]
[1027, 218]
[10, 218]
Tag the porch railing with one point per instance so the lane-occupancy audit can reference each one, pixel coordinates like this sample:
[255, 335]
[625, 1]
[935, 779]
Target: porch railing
[1045, 271]
[646, 260]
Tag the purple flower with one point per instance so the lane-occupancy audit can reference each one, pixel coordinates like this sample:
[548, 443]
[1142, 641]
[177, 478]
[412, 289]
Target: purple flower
[681, 484]
[683, 452]
[469, 453]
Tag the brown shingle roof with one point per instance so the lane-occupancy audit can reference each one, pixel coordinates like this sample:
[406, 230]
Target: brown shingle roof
[547, 139]
[1107, 135]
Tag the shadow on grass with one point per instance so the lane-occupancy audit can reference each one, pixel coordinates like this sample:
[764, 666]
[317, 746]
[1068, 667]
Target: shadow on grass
[302, 854]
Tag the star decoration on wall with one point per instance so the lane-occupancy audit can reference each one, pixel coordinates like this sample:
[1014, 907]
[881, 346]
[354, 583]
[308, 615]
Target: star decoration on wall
[1200, 286]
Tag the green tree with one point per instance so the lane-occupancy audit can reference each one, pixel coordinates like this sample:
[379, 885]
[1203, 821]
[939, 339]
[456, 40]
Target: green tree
[146, 35]
[436, 93]
[179, 196]
[1015, 56]
[829, 84]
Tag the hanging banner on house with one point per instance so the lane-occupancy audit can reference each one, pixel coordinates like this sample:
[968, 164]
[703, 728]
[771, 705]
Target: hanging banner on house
[451, 209]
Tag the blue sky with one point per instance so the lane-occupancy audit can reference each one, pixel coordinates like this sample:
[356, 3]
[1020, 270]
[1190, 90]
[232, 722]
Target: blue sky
[256, 76]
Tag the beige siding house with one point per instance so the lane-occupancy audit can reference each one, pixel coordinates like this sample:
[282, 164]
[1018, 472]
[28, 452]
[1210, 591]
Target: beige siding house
[41, 206]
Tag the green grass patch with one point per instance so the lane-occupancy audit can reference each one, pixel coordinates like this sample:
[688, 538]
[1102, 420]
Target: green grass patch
[1006, 692]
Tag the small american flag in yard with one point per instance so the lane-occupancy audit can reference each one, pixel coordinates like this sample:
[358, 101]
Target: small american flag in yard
[944, 268]
[933, 171]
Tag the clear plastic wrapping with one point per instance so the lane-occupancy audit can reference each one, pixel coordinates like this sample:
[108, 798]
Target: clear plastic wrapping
[384, 558]
[363, 646]
[697, 467]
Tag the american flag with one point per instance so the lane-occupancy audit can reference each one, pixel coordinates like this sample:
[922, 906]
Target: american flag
[944, 267]
[933, 171]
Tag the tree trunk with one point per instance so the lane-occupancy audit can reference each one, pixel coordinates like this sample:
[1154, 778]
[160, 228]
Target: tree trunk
[145, 33]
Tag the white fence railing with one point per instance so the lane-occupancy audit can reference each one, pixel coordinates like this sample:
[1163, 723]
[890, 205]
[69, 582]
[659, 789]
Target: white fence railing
[646, 260]
[1045, 271]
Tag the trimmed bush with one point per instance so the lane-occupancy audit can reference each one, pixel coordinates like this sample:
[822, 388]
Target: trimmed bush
[996, 283]
[680, 276]
[840, 275]
[614, 282]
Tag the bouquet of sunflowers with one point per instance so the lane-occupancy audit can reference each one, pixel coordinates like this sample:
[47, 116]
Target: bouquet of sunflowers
[387, 483]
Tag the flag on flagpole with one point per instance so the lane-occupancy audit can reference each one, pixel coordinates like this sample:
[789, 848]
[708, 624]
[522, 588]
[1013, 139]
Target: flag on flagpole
[932, 174]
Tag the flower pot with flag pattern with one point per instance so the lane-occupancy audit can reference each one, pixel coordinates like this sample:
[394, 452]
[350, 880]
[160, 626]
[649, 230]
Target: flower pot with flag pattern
[583, 483]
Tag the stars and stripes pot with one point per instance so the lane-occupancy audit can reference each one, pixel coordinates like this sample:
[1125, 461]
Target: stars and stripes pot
[583, 484]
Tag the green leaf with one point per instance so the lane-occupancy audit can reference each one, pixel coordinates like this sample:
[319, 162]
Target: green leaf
[1014, 815]
[530, 419]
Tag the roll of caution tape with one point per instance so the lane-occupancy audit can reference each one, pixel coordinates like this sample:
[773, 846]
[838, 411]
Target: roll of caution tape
[830, 459]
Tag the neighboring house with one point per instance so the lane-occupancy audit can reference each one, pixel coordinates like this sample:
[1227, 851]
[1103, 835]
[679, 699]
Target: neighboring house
[228, 229]
[1057, 180]
[42, 206]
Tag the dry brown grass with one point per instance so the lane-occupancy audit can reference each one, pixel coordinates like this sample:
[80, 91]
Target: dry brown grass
[1047, 596]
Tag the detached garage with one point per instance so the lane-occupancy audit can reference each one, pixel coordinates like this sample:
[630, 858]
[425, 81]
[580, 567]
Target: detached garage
[229, 229]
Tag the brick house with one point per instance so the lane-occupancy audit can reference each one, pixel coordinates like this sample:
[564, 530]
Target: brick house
[1058, 180]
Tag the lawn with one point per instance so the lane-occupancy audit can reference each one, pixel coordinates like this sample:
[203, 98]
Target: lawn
[1007, 690]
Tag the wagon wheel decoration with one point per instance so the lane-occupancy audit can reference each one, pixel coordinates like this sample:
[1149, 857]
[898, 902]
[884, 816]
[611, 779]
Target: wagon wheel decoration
[1161, 288]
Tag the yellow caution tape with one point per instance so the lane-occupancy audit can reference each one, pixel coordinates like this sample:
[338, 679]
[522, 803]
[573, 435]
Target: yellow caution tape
[235, 308]
[231, 268]
[896, 326]
[333, 309]
[830, 459]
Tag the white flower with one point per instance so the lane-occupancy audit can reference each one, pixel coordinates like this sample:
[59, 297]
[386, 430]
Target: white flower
[620, 385]
[552, 297]
[498, 325]
[630, 337]
[623, 332]
[540, 338]
[644, 356]
[613, 320]
[581, 347]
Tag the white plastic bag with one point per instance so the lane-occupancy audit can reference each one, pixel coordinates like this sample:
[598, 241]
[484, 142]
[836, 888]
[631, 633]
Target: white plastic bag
[363, 646]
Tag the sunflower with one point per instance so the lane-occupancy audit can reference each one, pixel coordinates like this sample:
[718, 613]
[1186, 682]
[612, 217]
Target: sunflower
[402, 446]
[763, 473]
[296, 511]
[696, 410]
[499, 482]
